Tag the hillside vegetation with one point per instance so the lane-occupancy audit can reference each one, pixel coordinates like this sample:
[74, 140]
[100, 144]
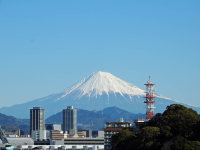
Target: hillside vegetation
[9, 123]
[178, 128]
[96, 119]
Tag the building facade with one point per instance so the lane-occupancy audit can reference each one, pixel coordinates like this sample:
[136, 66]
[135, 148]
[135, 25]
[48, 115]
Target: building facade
[37, 123]
[70, 120]
[111, 129]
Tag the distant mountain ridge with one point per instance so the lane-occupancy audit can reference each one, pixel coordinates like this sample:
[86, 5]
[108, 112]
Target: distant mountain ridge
[10, 121]
[95, 92]
[86, 119]
[96, 119]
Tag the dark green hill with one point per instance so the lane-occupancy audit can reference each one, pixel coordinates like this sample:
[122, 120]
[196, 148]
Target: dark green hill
[115, 113]
[86, 119]
[10, 122]
[178, 128]
[96, 119]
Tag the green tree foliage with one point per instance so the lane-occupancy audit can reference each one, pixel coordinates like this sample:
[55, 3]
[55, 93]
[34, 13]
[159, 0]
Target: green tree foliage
[176, 120]
[178, 128]
[123, 140]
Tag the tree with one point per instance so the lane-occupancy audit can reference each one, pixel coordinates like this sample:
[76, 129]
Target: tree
[179, 120]
[178, 128]
[148, 137]
[123, 140]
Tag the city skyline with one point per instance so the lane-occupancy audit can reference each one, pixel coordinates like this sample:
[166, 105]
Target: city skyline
[46, 46]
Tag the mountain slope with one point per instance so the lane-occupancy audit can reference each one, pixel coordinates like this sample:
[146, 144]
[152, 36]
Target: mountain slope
[12, 122]
[96, 119]
[100, 83]
[85, 119]
[95, 92]
[116, 113]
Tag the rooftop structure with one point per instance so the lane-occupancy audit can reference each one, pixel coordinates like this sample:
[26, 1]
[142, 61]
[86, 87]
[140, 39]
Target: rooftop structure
[19, 141]
[139, 122]
[53, 127]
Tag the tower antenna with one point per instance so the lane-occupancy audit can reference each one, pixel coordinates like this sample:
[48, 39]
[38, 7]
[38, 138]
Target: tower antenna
[149, 99]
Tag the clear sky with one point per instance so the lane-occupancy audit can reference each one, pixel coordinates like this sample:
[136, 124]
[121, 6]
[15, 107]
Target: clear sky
[49, 45]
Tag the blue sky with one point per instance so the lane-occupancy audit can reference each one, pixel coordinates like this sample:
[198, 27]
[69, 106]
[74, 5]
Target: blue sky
[49, 45]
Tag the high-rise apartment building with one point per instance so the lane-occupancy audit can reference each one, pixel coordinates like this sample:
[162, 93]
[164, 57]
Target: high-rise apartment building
[37, 123]
[70, 120]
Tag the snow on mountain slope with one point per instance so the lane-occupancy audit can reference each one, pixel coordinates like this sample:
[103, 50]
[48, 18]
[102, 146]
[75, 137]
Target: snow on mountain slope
[103, 83]
[95, 92]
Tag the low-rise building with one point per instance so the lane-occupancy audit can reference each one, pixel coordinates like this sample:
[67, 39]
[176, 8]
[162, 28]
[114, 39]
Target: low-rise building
[13, 133]
[57, 137]
[16, 141]
[51, 126]
[38, 135]
[139, 122]
[111, 129]
[85, 142]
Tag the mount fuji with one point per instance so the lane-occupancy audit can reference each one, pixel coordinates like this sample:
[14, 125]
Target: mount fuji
[95, 92]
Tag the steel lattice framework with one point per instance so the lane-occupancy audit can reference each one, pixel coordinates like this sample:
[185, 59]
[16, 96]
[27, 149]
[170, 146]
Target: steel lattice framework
[149, 99]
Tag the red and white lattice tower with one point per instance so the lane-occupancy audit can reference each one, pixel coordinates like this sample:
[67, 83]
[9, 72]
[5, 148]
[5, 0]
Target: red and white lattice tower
[149, 99]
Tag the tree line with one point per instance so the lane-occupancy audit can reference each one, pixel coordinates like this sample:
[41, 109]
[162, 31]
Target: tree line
[178, 128]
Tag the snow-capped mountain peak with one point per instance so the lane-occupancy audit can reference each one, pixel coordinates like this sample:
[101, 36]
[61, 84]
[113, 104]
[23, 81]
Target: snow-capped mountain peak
[99, 83]
[95, 92]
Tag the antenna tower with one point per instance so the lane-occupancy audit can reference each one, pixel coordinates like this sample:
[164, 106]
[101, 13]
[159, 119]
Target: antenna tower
[149, 99]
